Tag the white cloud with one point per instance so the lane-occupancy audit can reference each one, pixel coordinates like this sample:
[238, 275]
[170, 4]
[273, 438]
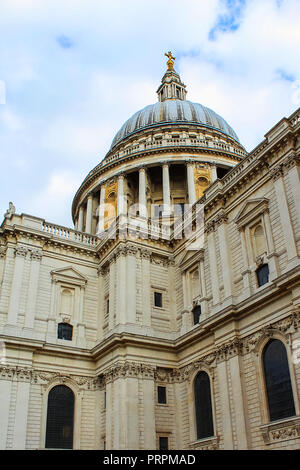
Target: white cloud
[65, 104]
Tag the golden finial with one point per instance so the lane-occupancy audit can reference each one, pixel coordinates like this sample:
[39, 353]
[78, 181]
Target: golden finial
[170, 62]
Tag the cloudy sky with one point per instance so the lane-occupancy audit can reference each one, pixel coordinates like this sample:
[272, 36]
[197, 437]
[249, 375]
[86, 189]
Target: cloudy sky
[72, 71]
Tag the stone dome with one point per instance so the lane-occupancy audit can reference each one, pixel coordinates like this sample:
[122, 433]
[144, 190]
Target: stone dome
[173, 111]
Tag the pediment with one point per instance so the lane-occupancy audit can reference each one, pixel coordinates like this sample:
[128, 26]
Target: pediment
[251, 209]
[69, 274]
[189, 258]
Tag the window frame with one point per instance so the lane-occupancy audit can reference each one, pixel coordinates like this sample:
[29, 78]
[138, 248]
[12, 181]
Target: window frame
[269, 411]
[262, 393]
[157, 395]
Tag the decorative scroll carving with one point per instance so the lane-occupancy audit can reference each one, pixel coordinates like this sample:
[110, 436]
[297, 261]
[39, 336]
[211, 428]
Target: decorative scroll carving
[276, 172]
[281, 431]
[2, 251]
[207, 444]
[21, 251]
[145, 253]
[36, 255]
[128, 369]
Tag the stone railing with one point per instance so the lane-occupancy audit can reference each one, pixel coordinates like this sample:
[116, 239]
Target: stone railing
[64, 233]
[171, 143]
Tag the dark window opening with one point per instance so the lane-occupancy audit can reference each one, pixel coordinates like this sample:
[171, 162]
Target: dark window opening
[162, 395]
[262, 274]
[163, 443]
[221, 172]
[196, 314]
[60, 418]
[107, 306]
[65, 331]
[158, 299]
[278, 381]
[204, 417]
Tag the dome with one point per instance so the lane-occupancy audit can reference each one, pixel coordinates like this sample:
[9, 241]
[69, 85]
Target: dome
[174, 111]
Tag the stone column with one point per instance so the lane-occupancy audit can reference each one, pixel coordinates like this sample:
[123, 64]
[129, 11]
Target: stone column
[121, 293]
[52, 327]
[5, 394]
[191, 182]
[89, 209]
[292, 165]
[15, 294]
[214, 176]
[126, 412]
[225, 256]
[142, 193]
[285, 217]
[238, 402]
[166, 190]
[80, 220]
[21, 414]
[101, 210]
[185, 315]
[225, 405]
[148, 387]
[36, 257]
[120, 202]
[112, 294]
[146, 285]
[204, 305]
[212, 255]
[110, 401]
[272, 255]
[81, 341]
[246, 272]
[131, 284]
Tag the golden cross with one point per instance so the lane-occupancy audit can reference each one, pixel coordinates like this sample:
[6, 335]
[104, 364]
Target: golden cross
[170, 62]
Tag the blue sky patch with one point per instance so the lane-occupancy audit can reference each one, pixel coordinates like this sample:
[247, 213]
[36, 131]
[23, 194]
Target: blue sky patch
[231, 20]
[65, 42]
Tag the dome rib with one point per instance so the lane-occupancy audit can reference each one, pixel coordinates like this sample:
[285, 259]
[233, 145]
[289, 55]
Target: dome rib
[172, 112]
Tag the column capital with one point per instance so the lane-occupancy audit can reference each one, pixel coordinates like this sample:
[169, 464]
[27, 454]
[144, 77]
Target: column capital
[190, 163]
[121, 175]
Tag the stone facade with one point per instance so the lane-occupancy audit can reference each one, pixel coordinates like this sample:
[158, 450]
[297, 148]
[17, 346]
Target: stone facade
[102, 279]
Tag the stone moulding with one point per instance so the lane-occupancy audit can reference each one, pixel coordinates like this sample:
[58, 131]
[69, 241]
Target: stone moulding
[283, 430]
[211, 443]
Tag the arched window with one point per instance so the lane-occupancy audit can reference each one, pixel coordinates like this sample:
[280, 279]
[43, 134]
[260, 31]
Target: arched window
[203, 408]
[278, 381]
[60, 418]
[65, 331]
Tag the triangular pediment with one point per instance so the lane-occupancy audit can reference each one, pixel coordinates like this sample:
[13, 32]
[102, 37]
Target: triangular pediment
[251, 209]
[68, 273]
[189, 258]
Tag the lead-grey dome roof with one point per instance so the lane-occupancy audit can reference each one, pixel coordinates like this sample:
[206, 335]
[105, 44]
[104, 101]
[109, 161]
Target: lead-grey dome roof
[173, 112]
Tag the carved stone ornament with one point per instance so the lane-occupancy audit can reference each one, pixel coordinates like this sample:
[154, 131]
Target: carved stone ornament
[21, 251]
[36, 255]
[281, 431]
[2, 251]
[128, 369]
[276, 172]
[10, 211]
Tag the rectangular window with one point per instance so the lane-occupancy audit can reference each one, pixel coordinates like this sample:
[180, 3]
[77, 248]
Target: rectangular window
[158, 299]
[262, 274]
[107, 306]
[196, 314]
[163, 443]
[161, 395]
